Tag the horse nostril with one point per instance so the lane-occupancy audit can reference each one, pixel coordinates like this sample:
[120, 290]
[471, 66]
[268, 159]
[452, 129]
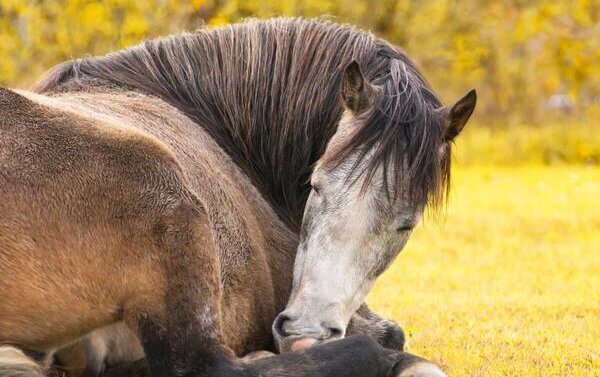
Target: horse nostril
[333, 332]
[278, 325]
[287, 326]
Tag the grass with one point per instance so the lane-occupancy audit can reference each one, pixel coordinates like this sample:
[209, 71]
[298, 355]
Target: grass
[508, 282]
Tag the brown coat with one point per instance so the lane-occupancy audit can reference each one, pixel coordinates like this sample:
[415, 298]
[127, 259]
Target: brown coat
[113, 205]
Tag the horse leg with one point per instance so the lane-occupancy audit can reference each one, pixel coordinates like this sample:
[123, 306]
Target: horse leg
[180, 330]
[386, 332]
[355, 356]
[100, 349]
[15, 363]
[117, 346]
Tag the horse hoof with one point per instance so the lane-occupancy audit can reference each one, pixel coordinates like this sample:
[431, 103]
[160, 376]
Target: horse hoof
[422, 369]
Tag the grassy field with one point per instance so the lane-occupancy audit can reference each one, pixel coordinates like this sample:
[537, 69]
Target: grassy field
[507, 282]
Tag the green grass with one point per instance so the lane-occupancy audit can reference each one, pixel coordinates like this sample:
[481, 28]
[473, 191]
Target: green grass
[507, 283]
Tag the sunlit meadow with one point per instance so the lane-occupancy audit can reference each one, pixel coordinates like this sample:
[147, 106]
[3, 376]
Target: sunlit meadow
[507, 283]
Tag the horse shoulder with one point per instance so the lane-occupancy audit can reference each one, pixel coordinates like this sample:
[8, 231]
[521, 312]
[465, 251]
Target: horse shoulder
[86, 207]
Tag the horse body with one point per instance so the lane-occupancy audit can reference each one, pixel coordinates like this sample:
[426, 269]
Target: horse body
[78, 245]
[253, 246]
[164, 185]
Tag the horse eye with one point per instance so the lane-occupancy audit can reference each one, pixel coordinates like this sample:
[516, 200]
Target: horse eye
[404, 228]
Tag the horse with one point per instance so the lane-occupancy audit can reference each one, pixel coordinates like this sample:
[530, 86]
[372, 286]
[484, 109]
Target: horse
[164, 186]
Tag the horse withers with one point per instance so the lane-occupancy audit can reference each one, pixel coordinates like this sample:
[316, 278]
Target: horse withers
[163, 186]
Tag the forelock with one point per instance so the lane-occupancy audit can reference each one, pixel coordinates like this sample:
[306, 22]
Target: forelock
[403, 134]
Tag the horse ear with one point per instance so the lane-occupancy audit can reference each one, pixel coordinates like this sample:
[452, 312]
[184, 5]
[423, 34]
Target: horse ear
[459, 114]
[354, 89]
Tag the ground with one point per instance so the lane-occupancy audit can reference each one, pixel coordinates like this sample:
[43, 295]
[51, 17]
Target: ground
[507, 281]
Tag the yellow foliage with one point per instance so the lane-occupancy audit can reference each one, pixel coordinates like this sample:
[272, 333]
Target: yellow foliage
[518, 54]
[552, 144]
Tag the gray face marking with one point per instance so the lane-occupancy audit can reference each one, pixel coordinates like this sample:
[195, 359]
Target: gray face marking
[351, 232]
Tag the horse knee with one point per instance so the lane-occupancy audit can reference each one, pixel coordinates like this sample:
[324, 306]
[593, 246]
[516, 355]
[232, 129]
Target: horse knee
[386, 332]
[392, 336]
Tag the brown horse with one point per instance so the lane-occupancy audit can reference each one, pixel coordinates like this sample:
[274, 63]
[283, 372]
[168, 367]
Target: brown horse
[163, 186]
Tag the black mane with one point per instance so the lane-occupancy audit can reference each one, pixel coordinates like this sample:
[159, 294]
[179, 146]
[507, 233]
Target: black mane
[268, 93]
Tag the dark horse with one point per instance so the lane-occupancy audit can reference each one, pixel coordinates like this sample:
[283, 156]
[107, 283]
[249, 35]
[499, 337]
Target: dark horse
[163, 186]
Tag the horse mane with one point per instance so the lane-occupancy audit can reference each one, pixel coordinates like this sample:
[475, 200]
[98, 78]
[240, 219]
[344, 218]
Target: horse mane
[269, 93]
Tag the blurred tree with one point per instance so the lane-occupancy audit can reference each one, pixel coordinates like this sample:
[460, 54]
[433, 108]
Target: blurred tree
[518, 53]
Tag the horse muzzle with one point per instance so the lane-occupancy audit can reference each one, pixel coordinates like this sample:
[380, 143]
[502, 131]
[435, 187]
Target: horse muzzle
[292, 332]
